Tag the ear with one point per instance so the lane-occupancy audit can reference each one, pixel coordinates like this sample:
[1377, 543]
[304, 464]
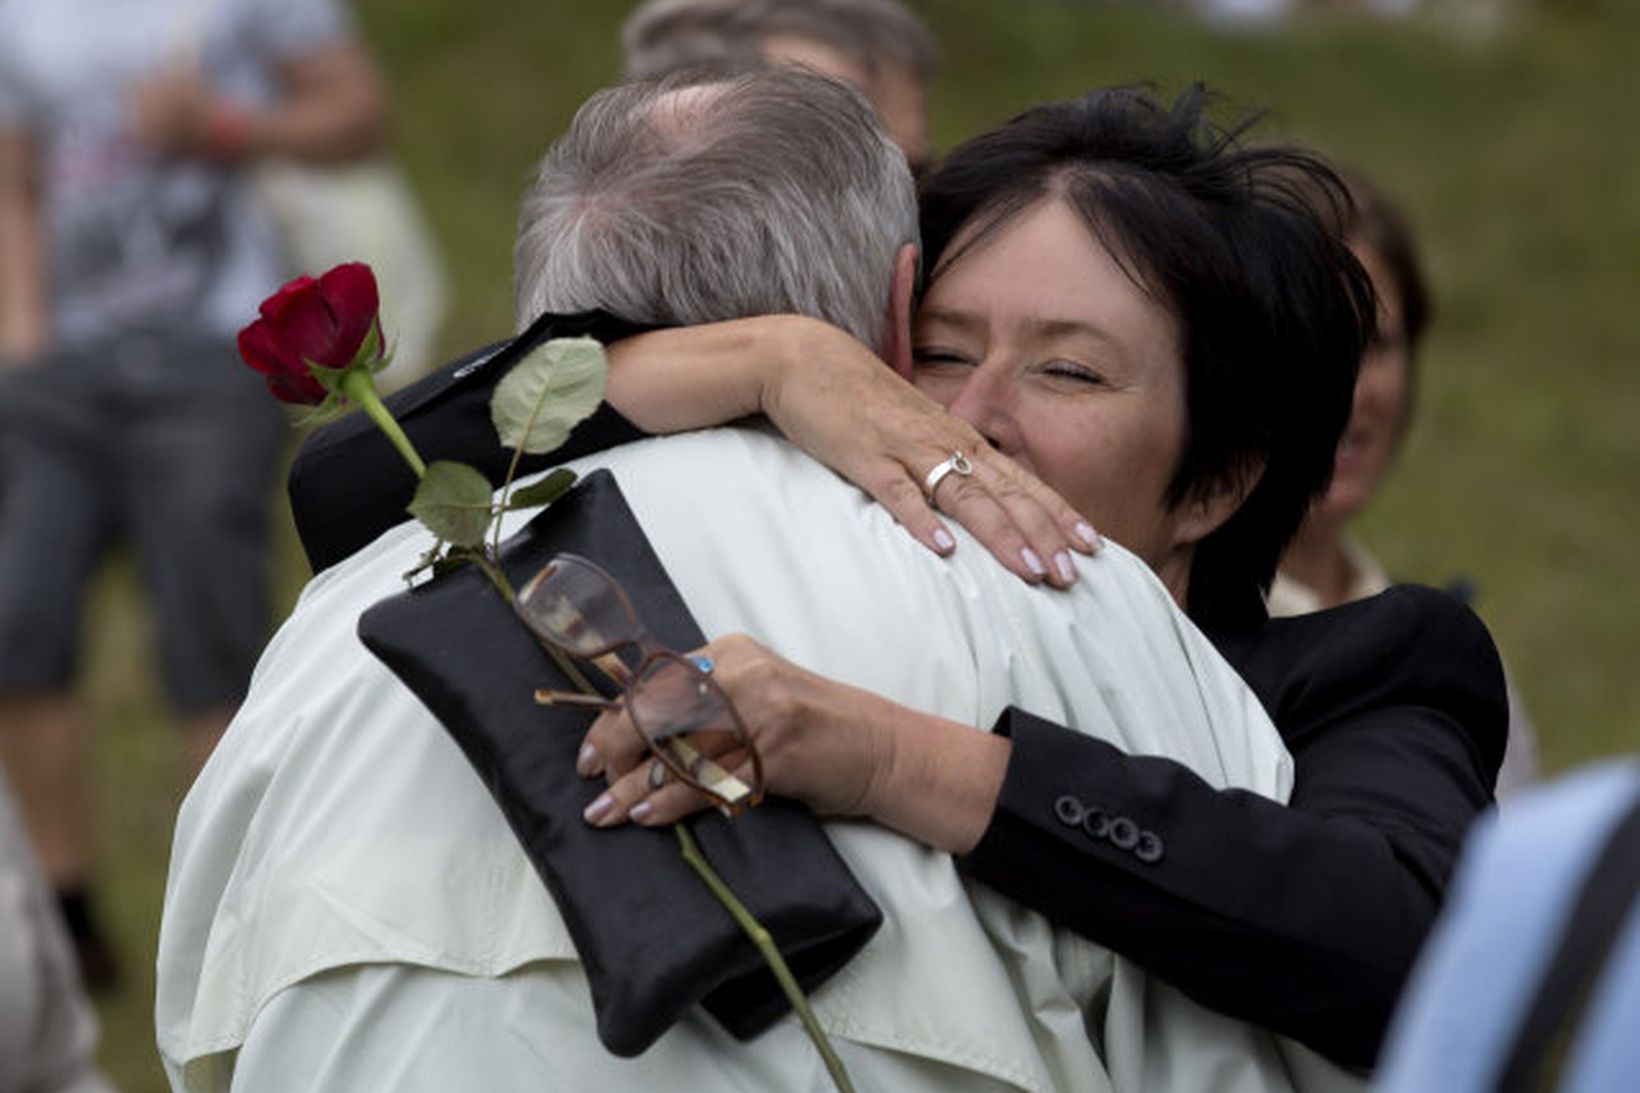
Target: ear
[1202, 515]
[896, 345]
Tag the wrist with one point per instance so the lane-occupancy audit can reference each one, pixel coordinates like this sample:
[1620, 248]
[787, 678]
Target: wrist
[785, 351]
[941, 783]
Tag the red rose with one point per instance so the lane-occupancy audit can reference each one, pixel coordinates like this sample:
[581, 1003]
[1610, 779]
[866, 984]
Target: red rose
[324, 321]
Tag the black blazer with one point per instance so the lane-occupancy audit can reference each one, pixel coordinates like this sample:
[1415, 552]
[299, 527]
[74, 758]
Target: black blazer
[1303, 919]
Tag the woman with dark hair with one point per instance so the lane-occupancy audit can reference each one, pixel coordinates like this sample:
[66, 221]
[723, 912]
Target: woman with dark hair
[1125, 302]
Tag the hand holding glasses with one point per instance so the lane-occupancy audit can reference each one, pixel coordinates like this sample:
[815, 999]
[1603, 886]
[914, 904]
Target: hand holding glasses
[686, 720]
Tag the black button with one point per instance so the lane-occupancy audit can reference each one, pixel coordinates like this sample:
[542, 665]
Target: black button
[1150, 848]
[1096, 823]
[1124, 833]
[1069, 810]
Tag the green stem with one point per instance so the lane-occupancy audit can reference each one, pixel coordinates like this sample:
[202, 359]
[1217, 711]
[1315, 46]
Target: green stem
[493, 570]
[359, 386]
[771, 955]
[506, 492]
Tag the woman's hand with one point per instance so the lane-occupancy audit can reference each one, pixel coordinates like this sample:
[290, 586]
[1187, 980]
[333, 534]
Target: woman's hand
[810, 748]
[840, 750]
[841, 404]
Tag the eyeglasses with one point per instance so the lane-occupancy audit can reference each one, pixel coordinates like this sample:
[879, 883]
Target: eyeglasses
[685, 719]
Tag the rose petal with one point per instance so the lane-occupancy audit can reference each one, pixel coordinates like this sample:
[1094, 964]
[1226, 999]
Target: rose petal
[350, 290]
[308, 330]
[275, 306]
[302, 391]
[260, 348]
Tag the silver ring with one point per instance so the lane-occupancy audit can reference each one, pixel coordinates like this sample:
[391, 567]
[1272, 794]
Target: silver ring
[958, 464]
[658, 774]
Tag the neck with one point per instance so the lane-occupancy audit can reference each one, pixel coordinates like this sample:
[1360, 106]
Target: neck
[1174, 570]
[1316, 559]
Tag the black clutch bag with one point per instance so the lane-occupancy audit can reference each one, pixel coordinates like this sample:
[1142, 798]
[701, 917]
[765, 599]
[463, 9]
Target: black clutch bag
[652, 938]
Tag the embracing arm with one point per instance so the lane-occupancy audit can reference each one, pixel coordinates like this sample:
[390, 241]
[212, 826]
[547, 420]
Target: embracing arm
[1304, 918]
[840, 403]
[841, 750]
[820, 386]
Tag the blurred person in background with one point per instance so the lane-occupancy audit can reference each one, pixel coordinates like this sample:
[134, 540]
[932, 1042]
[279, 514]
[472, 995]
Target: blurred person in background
[48, 1032]
[1325, 565]
[130, 253]
[880, 47]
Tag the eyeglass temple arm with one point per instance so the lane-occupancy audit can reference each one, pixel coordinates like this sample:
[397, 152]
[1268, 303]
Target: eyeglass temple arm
[546, 696]
[611, 666]
[710, 775]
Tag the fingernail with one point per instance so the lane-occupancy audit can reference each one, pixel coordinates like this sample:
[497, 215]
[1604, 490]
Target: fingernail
[598, 809]
[1067, 569]
[1089, 536]
[943, 540]
[1033, 563]
[641, 812]
[586, 763]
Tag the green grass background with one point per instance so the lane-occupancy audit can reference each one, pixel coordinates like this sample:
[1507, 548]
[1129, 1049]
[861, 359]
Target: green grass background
[1516, 153]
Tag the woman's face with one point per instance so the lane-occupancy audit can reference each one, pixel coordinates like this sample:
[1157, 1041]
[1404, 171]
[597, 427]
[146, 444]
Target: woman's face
[1383, 403]
[1040, 340]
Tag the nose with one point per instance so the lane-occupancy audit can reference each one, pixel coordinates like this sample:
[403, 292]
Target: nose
[987, 401]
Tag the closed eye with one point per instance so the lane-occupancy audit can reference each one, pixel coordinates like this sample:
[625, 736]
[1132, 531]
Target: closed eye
[1078, 373]
[936, 356]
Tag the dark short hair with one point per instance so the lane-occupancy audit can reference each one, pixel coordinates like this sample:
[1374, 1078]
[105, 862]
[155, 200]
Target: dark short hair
[1273, 310]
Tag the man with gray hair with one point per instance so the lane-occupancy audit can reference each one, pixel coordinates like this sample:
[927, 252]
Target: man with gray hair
[347, 908]
[676, 203]
[880, 47]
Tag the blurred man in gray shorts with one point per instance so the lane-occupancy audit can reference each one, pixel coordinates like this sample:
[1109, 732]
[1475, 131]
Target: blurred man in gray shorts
[130, 253]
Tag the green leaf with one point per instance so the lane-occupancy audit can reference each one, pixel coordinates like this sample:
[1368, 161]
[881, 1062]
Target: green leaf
[548, 393]
[544, 492]
[453, 500]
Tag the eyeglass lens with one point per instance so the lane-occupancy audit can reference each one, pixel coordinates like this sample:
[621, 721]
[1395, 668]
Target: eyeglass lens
[691, 725]
[578, 607]
[685, 718]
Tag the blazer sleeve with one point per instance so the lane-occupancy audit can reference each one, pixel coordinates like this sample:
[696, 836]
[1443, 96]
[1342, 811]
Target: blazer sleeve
[348, 484]
[1303, 918]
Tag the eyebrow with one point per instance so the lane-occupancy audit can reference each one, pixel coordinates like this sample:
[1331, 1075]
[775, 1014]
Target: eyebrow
[1042, 328]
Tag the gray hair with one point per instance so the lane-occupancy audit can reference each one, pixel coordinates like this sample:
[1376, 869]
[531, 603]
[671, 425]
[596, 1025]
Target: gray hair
[681, 202]
[664, 36]
[661, 37]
